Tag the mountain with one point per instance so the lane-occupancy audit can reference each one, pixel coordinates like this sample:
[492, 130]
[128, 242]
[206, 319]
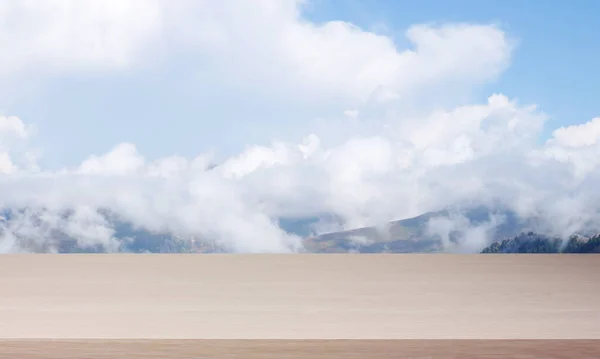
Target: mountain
[52, 236]
[411, 235]
[537, 243]
[403, 236]
[141, 241]
[414, 234]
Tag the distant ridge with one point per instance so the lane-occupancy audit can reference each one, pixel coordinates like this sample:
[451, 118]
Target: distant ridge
[537, 243]
[411, 235]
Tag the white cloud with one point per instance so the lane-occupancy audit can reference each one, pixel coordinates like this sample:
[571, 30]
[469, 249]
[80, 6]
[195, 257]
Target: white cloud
[388, 163]
[278, 47]
[577, 146]
[13, 126]
[68, 35]
[6, 164]
[12, 132]
[282, 71]
[123, 159]
[343, 59]
[365, 180]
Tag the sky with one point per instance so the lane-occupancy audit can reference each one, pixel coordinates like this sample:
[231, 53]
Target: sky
[372, 111]
[554, 65]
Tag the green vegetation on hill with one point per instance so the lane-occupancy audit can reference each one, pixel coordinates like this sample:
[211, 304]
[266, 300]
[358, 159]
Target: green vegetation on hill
[537, 243]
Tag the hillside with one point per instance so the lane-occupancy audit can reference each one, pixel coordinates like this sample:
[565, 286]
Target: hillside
[537, 243]
[413, 235]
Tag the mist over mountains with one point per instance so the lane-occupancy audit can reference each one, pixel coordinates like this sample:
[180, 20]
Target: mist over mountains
[250, 127]
[455, 230]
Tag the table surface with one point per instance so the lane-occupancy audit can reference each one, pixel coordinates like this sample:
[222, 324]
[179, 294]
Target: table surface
[302, 296]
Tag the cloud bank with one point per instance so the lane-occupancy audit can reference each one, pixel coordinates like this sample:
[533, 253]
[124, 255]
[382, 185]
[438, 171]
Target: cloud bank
[404, 140]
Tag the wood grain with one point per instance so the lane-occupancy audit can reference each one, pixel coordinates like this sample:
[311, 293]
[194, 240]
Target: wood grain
[300, 296]
[301, 349]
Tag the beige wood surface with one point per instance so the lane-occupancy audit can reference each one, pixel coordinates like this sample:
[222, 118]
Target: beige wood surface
[301, 349]
[300, 296]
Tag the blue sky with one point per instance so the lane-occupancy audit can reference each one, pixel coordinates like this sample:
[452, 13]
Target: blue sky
[555, 65]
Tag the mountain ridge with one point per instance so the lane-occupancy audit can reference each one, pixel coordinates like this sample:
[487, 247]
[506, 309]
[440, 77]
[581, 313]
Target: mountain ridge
[536, 243]
[431, 232]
